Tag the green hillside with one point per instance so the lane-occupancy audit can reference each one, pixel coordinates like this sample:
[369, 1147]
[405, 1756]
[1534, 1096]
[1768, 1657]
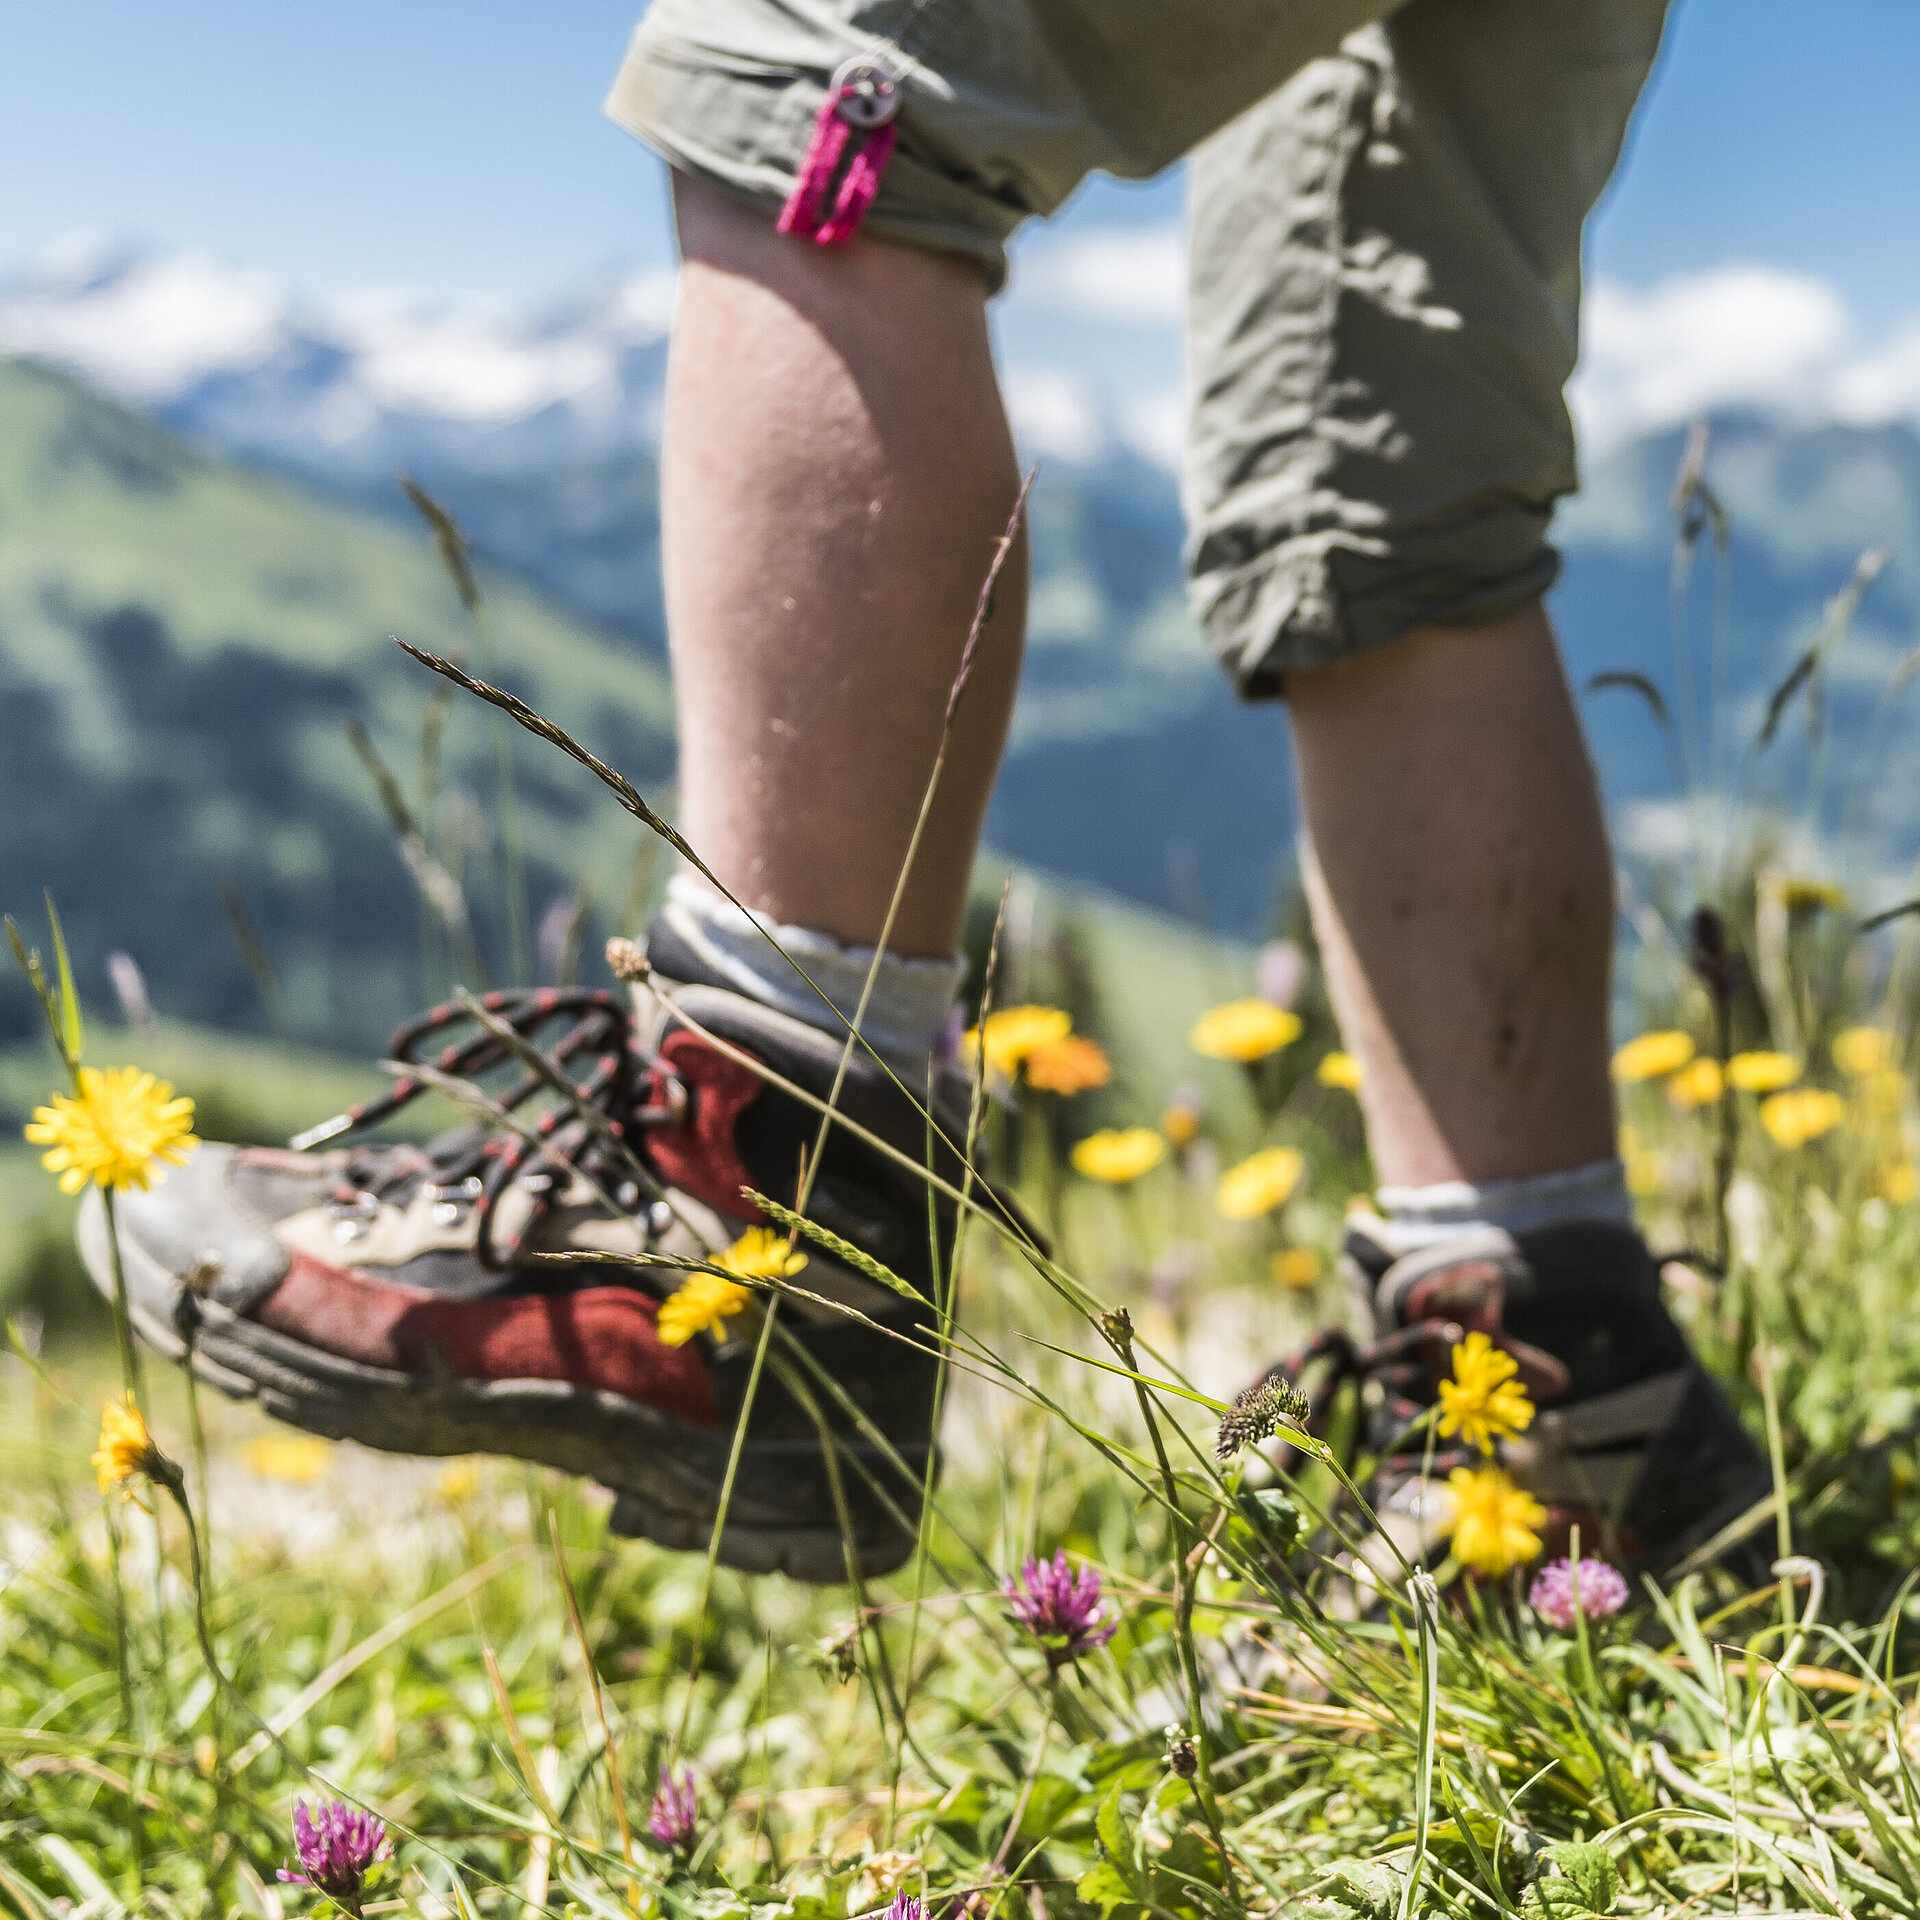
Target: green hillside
[181, 644]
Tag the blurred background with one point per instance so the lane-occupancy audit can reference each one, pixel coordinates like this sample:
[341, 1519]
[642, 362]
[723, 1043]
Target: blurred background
[255, 262]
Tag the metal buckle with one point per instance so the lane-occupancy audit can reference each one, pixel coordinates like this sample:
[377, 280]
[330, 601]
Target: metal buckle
[866, 92]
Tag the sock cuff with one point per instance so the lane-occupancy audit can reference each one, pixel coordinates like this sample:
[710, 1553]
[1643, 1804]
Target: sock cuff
[909, 1005]
[1421, 1216]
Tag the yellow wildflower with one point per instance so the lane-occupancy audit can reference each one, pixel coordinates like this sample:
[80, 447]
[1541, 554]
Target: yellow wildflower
[1299, 1267]
[1013, 1033]
[1339, 1070]
[1809, 896]
[1900, 1183]
[123, 1121]
[1792, 1119]
[1860, 1051]
[127, 1451]
[762, 1254]
[1762, 1072]
[1180, 1123]
[1642, 1164]
[704, 1300]
[1260, 1183]
[1483, 1402]
[1493, 1520]
[1068, 1066]
[1243, 1030]
[1881, 1093]
[293, 1457]
[1118, 1155]
[458, 1481]
[1653, 1056]
[1698, 1084]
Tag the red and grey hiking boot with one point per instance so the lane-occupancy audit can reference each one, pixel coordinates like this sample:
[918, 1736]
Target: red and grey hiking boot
[1632, 1443]
[391, 1295]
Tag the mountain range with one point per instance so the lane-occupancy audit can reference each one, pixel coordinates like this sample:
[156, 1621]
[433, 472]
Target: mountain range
[203, 552]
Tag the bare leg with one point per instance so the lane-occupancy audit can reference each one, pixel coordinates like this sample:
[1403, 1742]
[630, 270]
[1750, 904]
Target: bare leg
[1462, 892]
[836, 470]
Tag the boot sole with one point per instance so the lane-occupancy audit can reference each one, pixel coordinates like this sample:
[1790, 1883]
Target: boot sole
[665, 1472]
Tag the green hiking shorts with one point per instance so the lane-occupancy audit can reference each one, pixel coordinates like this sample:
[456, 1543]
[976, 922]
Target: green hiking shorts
[1384, 252]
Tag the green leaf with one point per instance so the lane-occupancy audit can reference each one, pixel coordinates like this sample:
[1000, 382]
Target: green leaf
[1578, 1878]
[1103, 1886]
[1272, 1516]
[1367, 1888]
[1110, 1827]
[72, 1035]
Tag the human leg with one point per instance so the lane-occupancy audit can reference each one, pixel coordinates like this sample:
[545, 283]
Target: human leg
[1462, 894]
[1386, 287]
[835, 473]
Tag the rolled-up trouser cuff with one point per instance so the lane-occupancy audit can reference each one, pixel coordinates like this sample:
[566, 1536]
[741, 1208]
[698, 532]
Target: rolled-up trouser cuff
[1311, 601]
[744, 126]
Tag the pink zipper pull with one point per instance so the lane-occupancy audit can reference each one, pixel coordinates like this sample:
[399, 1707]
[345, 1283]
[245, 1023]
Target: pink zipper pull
[863, 99]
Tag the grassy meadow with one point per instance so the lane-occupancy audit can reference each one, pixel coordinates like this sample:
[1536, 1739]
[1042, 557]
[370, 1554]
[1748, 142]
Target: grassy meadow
[1241, 1719]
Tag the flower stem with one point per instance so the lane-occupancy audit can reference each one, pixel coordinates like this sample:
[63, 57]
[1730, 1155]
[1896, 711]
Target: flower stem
[1119, 1333]
[122, 1319]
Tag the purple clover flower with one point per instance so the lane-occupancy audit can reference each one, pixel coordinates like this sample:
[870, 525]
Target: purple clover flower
[1603, 1591]
[336, 1847]
[674, 1817]
[1060, 1608]
[907, 1906]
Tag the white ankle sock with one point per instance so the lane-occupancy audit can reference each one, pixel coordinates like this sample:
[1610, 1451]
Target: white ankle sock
[1423, 1216]
[910, 1002]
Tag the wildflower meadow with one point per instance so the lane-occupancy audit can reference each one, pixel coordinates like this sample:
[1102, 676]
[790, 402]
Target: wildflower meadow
[1153, 1658]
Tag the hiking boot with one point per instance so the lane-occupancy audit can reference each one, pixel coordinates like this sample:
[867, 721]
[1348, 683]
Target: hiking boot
[1632, 1443]
[445, 1299]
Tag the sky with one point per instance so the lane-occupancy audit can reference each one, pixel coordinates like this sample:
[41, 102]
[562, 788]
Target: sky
[1763, 231]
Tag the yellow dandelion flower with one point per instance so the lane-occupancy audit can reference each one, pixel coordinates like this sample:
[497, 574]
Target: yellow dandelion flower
[127, 1451]
[1811, 896]
[1860, 1051]
[1494, 1521]
[458, 1481]
[121, 1123]
[705, 1300]
[702, 1302]
[1483, 1402]
[1698, 1084]
[1652, 1056]
[1068, 1066]
[1243, 1030]
[1180, 1123]
[1298, 1267]
[1792, 1119]
[762, 1254]
[1339, 1070]
[1881, 1093]
[1642, 1165]
[1762, 1072]
[1260, 1183]
[294, 1457]
[1014, 1032]
[1900, 1183]
[1118, 1155]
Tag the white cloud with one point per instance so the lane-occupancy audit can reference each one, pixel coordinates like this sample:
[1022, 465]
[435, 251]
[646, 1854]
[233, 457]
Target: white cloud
[1056, 415]
[1734, 336]
[147, 328]
[1133, 276]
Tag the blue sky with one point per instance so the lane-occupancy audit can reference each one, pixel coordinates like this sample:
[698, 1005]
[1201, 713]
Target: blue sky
[418, 143]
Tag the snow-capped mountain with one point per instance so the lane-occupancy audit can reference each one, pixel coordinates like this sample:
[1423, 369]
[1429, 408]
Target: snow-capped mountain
[355, 384]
